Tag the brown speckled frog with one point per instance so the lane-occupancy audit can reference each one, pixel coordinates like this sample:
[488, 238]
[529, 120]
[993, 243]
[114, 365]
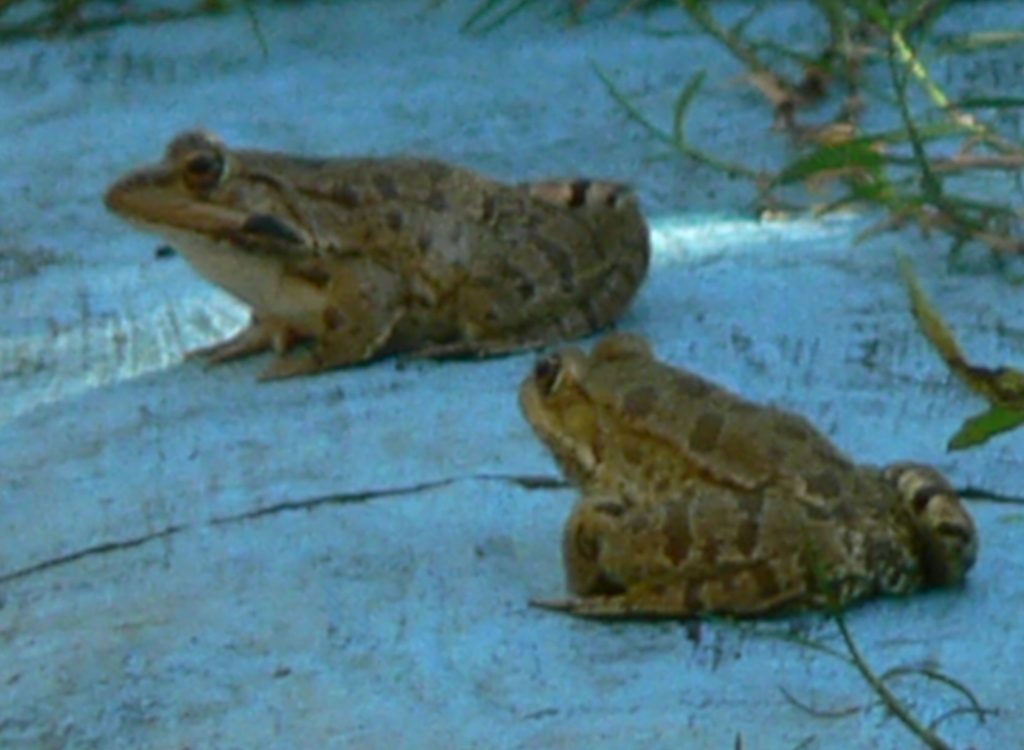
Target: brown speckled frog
[364, 257]
[696, 501]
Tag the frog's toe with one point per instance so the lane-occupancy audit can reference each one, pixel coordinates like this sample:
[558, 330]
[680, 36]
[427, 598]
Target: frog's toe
[598, 607]
[251, 340]
[554, 605]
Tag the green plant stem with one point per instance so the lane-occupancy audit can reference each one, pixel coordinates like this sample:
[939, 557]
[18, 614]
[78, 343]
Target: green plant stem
[698, 12]
[676, 138]
[932, 674]
[917, 69]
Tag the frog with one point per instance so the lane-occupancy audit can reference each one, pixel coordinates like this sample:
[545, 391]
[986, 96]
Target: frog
[344, 260]
[696, 502]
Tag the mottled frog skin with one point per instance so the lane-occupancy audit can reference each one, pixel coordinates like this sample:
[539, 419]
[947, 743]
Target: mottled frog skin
[366, 257]
[696, 501]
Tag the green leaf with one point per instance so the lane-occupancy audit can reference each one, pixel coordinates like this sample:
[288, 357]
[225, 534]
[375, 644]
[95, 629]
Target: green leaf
[682, 108]
[859, 153]
[979, 429]
[989, 102]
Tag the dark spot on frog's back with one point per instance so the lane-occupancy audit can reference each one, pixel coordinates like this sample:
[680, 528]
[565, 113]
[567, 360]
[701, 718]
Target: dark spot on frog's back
[707, 430]
[639, 402]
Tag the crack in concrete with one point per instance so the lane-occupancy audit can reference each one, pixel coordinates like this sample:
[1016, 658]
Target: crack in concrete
[527, 482]
[98, 549]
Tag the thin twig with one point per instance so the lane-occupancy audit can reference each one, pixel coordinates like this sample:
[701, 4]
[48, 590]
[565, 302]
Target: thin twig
[838, 713]
[933, 674]
[888, 698]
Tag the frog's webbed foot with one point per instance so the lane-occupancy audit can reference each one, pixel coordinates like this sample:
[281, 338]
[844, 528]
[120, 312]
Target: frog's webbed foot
[306, 361]
[619, 607]
[252, 339]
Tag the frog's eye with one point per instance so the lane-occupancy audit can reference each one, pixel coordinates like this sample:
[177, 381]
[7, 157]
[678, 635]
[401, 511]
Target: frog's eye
[202, 170]
[920, 499]
[546, 373]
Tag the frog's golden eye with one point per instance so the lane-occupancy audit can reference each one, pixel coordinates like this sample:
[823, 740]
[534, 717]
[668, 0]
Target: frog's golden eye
[202, 170]
[546, 373]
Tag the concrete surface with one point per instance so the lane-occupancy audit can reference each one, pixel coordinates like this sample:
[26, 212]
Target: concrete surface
[194, 560]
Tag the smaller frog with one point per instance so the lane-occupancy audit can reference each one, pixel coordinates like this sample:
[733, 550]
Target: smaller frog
[696, 501]
[360, 258]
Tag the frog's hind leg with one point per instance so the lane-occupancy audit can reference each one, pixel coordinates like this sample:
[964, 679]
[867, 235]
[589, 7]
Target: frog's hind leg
[667, 603]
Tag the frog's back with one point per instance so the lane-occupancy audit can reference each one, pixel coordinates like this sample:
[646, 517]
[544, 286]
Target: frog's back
[720, 433]
[489, 266]
[560, 258]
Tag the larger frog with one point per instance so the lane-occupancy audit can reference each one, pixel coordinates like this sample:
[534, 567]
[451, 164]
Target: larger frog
[696, 501]
[365, 257]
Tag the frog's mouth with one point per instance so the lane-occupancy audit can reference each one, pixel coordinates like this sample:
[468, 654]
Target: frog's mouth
[144, 201]
[149, 202]
[577, 460]
[245, 254]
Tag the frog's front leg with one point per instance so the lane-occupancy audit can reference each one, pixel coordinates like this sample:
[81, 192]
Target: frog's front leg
[258, 336]
[705, 549]
[363, 305]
